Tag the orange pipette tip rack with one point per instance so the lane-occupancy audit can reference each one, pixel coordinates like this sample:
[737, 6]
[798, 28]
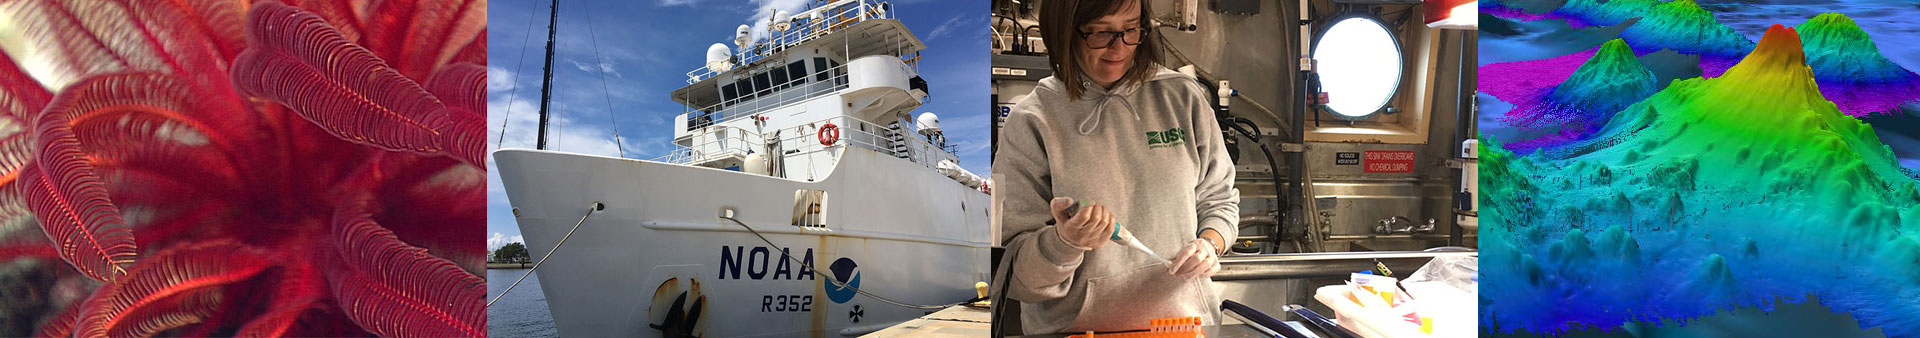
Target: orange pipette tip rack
[1176, 327]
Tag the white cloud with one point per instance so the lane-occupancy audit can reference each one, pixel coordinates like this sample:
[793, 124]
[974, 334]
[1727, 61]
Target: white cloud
[499, 80]
[499, 240]
[520, 116]
[765, 10]
[668, 3]
[950, 26]
[603, 68]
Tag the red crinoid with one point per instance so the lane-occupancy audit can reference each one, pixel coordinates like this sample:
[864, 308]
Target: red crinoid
[220, 167]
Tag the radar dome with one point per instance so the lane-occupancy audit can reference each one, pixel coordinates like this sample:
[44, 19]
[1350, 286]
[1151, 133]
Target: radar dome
[717, 55]
[928, 123]
[742, 35]
[781, 20]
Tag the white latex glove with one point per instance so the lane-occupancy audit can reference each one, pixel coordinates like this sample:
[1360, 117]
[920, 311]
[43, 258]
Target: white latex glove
[1196, 260]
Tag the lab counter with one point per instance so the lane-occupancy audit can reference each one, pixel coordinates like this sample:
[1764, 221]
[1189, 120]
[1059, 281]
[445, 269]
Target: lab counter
[1210, 331]
[962, 321]
[1264, 283]
[1323, 264]
[1269, 282]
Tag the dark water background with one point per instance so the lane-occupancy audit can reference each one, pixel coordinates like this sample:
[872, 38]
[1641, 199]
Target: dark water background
[522, 313]
[1808, 319]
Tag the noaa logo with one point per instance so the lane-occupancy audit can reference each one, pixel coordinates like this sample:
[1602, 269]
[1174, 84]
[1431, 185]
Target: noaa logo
[843, 270]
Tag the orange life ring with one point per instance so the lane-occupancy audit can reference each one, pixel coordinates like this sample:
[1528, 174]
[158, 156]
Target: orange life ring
[829, 134]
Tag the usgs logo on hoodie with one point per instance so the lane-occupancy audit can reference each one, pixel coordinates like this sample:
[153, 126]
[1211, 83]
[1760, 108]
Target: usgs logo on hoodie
[1168, 138]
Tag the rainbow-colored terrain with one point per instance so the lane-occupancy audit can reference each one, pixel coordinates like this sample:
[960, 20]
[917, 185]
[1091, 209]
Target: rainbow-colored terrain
[1609, 79]
[1604, 13]
[1682, 26]
[1740, 191]
[1851, 71]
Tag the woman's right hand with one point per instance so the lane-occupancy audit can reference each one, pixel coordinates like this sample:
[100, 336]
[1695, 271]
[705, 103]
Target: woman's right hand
[1089, 227]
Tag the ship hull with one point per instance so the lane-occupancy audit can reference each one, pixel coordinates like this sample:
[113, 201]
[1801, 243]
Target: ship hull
[890, 227]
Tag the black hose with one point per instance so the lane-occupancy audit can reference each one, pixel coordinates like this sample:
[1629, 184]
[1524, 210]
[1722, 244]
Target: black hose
[1274, 170]
[1273, 167]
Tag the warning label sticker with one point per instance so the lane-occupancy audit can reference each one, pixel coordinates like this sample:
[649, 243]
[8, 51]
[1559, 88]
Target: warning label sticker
[1389, 161]
[1346, 158]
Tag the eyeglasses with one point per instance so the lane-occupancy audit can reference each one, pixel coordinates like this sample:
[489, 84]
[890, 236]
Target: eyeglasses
[1104, 39]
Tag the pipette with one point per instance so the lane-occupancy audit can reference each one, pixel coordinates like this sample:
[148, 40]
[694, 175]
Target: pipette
[1121, 235]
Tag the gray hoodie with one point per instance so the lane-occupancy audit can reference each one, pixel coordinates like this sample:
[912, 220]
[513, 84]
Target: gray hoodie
[1152, 153]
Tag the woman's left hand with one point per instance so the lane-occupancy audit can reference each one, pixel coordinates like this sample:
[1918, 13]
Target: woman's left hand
[1196, 260]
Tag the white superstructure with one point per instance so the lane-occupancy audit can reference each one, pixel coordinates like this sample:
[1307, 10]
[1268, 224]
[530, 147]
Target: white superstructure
[807, 137]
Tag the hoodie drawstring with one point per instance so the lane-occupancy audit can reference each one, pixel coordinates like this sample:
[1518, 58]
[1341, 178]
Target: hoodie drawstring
[1092, 121]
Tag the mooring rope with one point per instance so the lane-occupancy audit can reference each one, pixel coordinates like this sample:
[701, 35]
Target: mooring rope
[597, 206]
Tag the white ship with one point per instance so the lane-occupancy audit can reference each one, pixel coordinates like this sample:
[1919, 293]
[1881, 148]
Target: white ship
[806, 137]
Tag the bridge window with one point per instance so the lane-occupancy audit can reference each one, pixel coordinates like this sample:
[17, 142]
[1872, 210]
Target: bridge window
[779, 77]
[798, 71]
[820, 69]
[746, 89]
[760, 82]
[838, 72]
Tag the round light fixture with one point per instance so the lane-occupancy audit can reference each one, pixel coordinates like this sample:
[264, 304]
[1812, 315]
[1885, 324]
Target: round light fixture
[1359, 63]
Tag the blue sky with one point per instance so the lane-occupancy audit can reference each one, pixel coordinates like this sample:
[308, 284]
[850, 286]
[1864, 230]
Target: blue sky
[646, 47]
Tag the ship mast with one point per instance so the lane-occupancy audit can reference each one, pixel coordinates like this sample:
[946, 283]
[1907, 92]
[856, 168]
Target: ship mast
[546, 79]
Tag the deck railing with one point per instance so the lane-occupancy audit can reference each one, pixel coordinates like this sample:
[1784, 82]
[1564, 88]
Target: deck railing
[804, 140]
[775, 97]
[807, 25]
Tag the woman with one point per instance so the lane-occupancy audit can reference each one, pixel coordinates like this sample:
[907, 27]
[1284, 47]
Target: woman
[1138, 143]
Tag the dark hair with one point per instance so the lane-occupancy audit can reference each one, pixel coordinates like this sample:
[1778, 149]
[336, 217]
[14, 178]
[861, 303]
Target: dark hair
[1060, 22]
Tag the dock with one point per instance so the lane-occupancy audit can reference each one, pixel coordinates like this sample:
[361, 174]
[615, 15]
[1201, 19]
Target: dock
[508, 265]
[954, 321]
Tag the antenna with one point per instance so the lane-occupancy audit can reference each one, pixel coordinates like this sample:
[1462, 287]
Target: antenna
[546, 78]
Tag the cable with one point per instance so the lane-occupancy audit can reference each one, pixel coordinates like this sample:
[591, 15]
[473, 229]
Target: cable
[1026, 40]
[995, 32]
[556, 248]
[1262, 108]
[1013, 46]
[756, 233]
[604, 93]
[497, 141]
[1273, 165]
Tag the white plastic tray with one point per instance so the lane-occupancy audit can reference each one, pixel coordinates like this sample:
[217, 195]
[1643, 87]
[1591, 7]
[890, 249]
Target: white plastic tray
[1454, 312]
